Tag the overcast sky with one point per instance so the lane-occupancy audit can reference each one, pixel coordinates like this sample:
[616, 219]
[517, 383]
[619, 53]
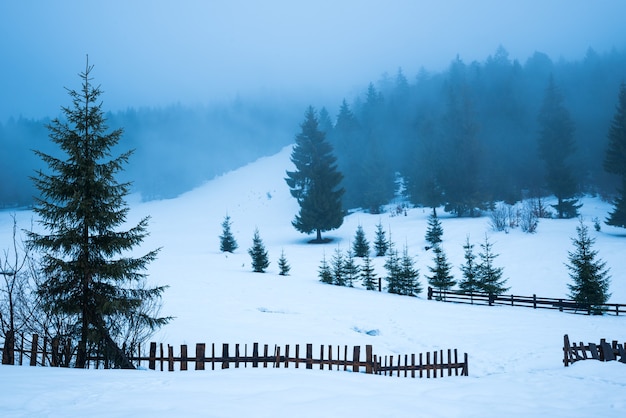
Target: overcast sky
[153, 52]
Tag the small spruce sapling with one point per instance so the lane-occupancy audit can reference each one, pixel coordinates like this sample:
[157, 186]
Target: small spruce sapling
[361, 246]
[336, 267]
[227, 240]
[368, 275]
[381, 244]
[409, 275]
[590, 276]
[490, 277]
[260, 260]
[324, 272]
[434, 232]
[441, 278]
[283, 265]
[350, 269]
[469, 282]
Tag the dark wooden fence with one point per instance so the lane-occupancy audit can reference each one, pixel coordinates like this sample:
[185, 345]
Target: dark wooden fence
[337, 358]
[573, 352]
[563, 305]
[52, 352]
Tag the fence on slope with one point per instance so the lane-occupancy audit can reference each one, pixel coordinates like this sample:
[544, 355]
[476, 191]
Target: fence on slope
[563, 305]
[440, 363]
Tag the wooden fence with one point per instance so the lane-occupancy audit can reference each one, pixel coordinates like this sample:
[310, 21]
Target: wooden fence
[51, 352]
[563, 305]
[332, 357]
[603, 351]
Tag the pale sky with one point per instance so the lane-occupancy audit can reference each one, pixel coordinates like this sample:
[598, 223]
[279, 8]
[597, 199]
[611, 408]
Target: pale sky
[157, 52]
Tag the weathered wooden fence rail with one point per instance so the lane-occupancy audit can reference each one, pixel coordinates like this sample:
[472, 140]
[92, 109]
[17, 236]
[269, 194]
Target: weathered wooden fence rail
[573, 352]
[332, 357]
[563, 305]
[52, 352]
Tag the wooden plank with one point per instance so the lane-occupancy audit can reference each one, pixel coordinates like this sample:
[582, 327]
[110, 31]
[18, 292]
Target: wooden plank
[44, 353]
[265, 348]
[330, 358]
[183, 357]
[593, 350]
[297, 355]
[309, 356]
[607, 351]
[212, 356]
[286, 356]
[356, 358]
[236, 356]
[322, 357]
[170, 358]
[225, 358]
[277, 356]
[200, 350]
[621, 349]
[345, 357]
[421, 366]
[368, 359]
[255, 355]
[466, 367]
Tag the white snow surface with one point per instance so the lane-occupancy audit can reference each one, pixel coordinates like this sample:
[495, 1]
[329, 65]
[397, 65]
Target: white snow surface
[515, 353]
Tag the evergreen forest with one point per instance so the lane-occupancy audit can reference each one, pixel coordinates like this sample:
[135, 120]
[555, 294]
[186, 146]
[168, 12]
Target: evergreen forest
[464, 137]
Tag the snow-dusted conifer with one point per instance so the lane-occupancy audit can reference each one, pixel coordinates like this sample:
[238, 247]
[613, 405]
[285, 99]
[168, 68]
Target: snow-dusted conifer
[283, 265]
[228, 244]
[260, 260]
[361, 246]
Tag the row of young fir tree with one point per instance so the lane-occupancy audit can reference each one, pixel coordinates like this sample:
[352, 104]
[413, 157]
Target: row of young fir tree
[402, 276]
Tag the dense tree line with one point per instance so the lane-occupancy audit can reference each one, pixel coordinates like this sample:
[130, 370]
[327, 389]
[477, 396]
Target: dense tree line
[472, 135]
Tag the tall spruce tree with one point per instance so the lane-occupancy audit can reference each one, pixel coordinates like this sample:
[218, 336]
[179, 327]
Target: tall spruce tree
[87, 276]
[556, 146]
[615, 160]
[258, 253]
[227, 240]
[315, 183]
[590, 276]
[361, 246]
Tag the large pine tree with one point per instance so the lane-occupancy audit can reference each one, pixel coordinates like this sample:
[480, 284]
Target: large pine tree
[315, 183]
[556, 146]
[81, 207]
[615, 160]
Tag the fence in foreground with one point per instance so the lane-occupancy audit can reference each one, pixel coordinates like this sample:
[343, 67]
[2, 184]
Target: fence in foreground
[573, 352]
[53, 352]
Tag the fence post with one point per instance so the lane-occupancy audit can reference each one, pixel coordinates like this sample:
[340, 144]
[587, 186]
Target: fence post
[356, 358]
[566, 350]
[430, 293]
[534, 301]
[43, 351]
[368, 359]
[55, 352]
[255, 355]
[380, 285]
[309, 356]
[297, 355]
[33, 350]
[183, 357]
[236, 356]
[170, 358]
[152, 356]
[466, 371]
[200, 350]
[225, 364]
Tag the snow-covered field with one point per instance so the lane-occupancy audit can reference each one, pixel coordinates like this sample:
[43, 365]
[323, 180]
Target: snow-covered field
[515, 354]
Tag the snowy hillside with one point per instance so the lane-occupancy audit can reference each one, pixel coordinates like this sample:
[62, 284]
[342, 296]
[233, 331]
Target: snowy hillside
[515, 354]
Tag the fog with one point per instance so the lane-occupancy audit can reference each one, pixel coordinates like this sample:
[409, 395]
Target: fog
[155, 53]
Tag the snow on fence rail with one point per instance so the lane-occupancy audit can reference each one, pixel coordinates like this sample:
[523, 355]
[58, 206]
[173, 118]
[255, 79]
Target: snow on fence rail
[603, 351]
[563, 305]
[53, 352]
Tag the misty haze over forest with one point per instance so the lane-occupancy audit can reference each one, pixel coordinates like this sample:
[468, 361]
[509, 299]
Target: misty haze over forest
[396, 120]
